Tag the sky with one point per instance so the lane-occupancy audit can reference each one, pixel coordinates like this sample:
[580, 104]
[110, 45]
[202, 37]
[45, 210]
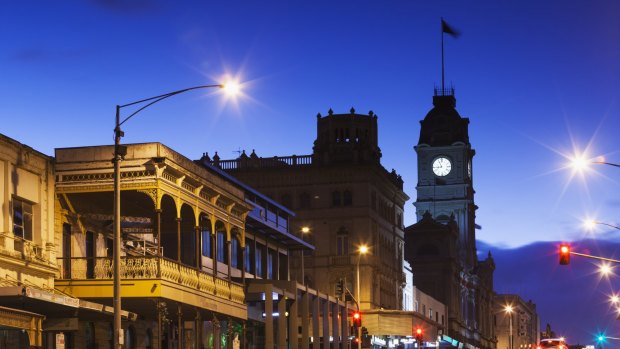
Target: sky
[539, 80]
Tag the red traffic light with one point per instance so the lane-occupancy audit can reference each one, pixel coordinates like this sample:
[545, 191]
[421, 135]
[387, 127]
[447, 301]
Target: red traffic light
[564, 254]
[357, 319]
[418, 334]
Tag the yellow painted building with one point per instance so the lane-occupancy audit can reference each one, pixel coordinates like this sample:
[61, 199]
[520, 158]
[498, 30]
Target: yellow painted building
[171, 209]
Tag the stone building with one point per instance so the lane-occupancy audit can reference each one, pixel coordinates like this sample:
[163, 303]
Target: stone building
[347, 199]
[205, 259]
[441, 246]
[511, 311]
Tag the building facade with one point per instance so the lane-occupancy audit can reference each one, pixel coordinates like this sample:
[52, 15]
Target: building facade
[515, 321]
[347, 199]
[441, 246]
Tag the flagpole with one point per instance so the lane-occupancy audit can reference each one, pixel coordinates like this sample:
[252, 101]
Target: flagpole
[442, 69]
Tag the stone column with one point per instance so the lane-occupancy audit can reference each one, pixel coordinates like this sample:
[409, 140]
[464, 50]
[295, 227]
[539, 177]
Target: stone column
[293, 322]
[198, 329]
[282, 322]
[268, 316]
[316, 331]
[325, 317]
[344, 317]
[305, 319]
[335, 325]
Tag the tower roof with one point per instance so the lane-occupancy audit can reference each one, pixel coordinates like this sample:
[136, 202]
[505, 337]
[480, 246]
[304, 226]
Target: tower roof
[443, 125]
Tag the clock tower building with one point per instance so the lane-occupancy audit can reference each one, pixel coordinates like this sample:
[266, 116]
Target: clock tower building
[441, 246]
[445, 172]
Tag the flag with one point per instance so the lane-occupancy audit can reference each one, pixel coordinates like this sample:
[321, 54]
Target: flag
[445, 28]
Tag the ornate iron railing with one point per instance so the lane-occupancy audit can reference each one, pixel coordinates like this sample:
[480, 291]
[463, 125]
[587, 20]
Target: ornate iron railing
[150, 267]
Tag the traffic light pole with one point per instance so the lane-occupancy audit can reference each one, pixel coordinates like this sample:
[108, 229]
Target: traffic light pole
[595, 257]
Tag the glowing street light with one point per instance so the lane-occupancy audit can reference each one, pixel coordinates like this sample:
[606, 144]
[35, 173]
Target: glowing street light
[614, 299]
[590, 224]
[119, 153]
[581, 163]
[509, 310]
[605, 269]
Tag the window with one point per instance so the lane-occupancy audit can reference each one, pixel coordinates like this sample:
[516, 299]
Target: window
[269, 265]
[342, 244]
[22, 219]
[248, 260]
[89, 334]
[336, 198]
[221, 247]
[259, 260]
[206, 242]
[347, 198]
[234, 260]
[430, 313]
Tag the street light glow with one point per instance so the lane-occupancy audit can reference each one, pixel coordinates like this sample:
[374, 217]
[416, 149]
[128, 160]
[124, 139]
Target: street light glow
[232, 88]
[605, 269]
[508, 308]
[579, 162]
[305, 229]
[363, 249]
[614, 299]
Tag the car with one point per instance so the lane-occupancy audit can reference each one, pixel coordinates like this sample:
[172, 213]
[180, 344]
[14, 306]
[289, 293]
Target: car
[552, 343]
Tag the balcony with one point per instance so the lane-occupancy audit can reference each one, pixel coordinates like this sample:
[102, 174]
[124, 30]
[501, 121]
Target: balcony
[148, 277]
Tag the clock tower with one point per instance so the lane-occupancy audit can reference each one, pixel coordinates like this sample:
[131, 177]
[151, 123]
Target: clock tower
[444, 186]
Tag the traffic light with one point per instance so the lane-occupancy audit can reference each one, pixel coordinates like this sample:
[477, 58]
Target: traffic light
[357, 319]
[339, 288]
[419, 335]
[564, 254]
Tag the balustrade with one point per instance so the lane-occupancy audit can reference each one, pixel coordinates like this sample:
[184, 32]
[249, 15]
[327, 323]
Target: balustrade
[149, 267]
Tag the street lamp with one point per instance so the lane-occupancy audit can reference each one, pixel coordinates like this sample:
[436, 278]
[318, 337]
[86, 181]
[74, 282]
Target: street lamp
[363, 249]
[508, 309]
[580, 163]
[119, 152]
[304, 230]
[590, 224]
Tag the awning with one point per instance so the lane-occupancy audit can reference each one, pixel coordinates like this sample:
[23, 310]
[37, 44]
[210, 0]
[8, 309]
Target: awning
[53, 305]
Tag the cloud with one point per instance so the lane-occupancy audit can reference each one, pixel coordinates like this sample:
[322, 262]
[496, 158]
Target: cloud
[571, 298]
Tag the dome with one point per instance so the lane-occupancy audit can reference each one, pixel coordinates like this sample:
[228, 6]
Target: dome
[443, 125]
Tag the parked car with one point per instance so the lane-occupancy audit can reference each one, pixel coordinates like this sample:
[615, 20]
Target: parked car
[552, 343]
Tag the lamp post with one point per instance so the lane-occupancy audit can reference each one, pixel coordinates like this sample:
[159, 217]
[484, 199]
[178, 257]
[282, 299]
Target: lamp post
[119, 152]
[509, 311]
[304, 230]
[579, 162]
[591, 223]
[363, 249]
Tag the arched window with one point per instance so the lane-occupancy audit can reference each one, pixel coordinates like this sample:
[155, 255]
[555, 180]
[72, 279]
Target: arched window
[347, 198]
[342, 243]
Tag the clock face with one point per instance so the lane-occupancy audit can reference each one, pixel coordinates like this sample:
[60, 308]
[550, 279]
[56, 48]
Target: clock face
[442, 166]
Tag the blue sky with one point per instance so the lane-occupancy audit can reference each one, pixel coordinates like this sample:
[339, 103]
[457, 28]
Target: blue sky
[535, 78]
